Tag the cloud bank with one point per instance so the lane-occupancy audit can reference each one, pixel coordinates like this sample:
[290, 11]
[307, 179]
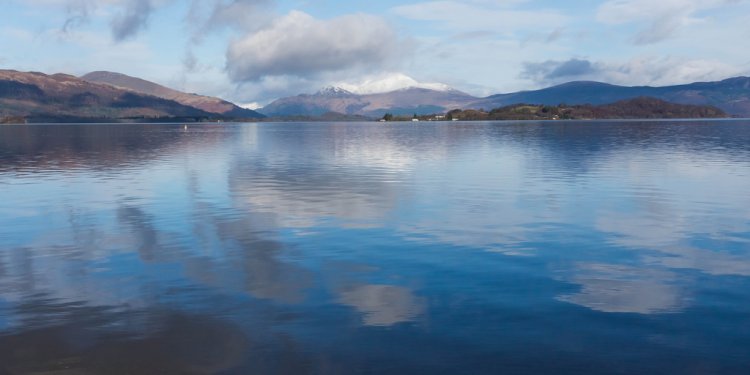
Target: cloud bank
[133, 18]
[205, 17]
[298, 44]
[656, 71]
[129, 17]
[659, 19]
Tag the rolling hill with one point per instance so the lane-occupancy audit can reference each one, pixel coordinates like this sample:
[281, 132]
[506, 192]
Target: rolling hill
[731, 95]
[141, 86]
[60, 97]
[39, 97]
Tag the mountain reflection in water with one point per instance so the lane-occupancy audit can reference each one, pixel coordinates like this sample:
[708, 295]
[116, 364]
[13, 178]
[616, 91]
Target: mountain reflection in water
[566, 248]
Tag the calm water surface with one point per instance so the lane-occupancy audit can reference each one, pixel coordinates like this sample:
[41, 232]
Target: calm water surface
[471, 248]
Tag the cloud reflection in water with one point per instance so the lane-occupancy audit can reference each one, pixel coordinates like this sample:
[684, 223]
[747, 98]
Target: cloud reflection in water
[231, 232]
[383, 305]
[622, 289]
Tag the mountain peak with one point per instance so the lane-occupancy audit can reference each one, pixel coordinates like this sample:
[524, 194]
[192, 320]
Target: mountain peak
[333, 91]
[102, 73]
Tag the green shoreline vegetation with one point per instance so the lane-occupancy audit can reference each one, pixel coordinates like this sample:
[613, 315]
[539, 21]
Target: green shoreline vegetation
[638, 108]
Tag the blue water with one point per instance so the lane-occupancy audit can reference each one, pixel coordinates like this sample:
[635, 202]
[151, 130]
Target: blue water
[347, 248]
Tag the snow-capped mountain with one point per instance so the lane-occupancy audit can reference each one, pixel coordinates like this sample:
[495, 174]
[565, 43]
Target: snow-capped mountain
[407, 100]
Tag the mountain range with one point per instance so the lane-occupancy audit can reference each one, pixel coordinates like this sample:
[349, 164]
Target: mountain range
[39, 97]
[731, 95]
[109, 96]
[399, 102]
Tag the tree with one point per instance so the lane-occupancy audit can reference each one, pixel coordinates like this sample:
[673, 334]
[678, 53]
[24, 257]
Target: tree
[388, 117]
[455, 113]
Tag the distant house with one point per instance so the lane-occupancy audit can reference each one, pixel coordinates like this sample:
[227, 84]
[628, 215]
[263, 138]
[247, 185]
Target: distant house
[415, 120]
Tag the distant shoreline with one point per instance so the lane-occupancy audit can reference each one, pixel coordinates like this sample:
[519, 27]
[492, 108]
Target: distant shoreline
[638, 108]
[642, 108]
[393, 123]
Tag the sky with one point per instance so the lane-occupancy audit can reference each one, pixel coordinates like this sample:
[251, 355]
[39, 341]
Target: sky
[254, 51]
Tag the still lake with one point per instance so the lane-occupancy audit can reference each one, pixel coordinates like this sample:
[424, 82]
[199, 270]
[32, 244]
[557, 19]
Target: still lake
[366, 248]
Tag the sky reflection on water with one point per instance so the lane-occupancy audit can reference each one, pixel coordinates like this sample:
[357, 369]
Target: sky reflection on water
[342, 248]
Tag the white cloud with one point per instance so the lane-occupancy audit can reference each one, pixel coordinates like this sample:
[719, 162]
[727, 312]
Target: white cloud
[270, 88]
[663, 18]
[253, 105]
[298, 44]
[127, 17]
[131, 57]
[206, 16]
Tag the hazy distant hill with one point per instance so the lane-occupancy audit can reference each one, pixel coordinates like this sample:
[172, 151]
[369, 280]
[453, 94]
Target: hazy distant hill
[731, 95]
[205, 103]
[332, 99]
[61, 97]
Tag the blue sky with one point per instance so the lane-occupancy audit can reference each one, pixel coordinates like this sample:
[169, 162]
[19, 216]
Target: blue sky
[253, 51]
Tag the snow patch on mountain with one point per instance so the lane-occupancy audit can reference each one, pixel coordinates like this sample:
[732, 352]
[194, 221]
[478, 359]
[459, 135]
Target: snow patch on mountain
[334, 91]
[387, 83]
